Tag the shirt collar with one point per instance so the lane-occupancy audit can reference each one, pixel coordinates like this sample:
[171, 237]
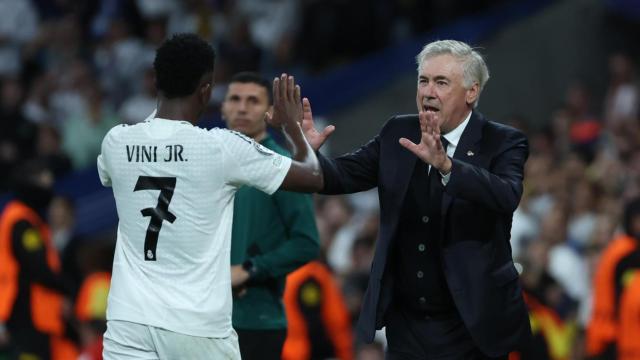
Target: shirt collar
[453, 136]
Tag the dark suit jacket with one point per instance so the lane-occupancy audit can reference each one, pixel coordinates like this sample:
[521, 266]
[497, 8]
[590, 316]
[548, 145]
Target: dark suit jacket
[477, 208]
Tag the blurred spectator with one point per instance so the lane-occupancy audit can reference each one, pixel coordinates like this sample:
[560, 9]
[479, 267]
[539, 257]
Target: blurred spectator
[37, 107]
[354, 281]
[31, 293]
[622, 99]
[319, 324]
[585, 128]
[138, 107]
[68, 97]
[18, 25]
[17, 136]
[154, 9]
[83, 132]
[200, 17]
[272, 25]
[602, 330]
[91, 305]
[237, 52]
[91, 301]
[49, 149]
[553, 336]
[120, 61]
[628, 344]
[337, 231]
[62, 220]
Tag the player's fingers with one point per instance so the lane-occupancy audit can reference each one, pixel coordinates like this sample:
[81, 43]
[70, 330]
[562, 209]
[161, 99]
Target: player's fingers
[276, 91]
[290, 88]
[297, 94]
[283, 87]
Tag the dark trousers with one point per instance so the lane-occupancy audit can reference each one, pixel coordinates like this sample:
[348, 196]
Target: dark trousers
[261, 344]
[413, 336]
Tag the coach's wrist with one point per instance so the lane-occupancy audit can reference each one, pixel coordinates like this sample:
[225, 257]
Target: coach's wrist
[445, 167]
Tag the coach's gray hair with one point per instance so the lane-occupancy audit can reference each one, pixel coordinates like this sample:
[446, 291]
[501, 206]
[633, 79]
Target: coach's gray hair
[474, 68]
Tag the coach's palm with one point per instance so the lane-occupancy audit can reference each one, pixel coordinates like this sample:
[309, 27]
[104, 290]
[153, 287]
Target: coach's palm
[313, 136]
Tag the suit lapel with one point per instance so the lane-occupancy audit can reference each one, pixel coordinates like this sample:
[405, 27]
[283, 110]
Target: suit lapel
[466, 149]
[406, 160]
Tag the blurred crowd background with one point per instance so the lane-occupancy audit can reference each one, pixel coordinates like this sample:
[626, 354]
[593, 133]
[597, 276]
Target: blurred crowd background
[72, 69]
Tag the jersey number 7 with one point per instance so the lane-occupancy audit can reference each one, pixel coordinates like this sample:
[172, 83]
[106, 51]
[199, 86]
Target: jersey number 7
[166, 185]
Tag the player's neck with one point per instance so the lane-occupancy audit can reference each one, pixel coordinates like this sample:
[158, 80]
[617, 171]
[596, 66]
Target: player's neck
[176, 109]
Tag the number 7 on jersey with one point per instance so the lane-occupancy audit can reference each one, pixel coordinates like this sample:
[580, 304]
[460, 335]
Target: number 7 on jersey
[166, 185]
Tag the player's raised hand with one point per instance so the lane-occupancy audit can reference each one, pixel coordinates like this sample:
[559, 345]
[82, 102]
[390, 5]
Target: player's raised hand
[430, 149]
[287, 105]
[315, 138]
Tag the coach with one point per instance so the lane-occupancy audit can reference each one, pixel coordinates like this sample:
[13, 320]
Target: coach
[442, 280]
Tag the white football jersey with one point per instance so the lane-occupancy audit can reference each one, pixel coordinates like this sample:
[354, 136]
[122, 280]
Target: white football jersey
[174, 186]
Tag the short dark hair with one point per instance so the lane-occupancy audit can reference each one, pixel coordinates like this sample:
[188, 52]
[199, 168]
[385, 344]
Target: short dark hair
[180, 63]
[249, 77]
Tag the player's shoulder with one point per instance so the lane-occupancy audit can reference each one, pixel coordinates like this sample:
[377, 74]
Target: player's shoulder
[225, 133]
[123, 129]
[116, 133]
[230, 138]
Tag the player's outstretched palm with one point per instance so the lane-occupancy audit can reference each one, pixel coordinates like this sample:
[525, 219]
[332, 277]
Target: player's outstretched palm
[287, 105]
[314, 137]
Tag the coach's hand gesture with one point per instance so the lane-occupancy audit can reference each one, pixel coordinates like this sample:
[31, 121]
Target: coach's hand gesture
[430, 149]
[315, 138]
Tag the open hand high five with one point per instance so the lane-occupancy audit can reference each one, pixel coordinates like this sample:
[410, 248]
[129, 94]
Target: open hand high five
[430, 149]
[287, 105]
[315, 138]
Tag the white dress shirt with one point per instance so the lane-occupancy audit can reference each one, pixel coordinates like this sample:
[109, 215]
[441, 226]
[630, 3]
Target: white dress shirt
[453, 137]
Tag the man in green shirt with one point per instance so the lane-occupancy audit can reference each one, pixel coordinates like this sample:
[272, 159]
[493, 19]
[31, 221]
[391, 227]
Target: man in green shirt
[272, 235]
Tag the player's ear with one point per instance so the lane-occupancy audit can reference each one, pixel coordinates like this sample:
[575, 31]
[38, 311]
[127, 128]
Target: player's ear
[205, 92]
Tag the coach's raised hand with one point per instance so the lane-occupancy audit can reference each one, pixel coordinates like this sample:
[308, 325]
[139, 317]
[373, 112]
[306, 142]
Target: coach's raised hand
[314, 137]
[305, 173]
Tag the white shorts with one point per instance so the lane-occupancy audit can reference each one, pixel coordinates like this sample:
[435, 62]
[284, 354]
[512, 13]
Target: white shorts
[127, 340]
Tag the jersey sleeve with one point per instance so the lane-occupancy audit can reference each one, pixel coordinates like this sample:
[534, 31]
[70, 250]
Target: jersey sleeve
[103, 172]
[249, 163]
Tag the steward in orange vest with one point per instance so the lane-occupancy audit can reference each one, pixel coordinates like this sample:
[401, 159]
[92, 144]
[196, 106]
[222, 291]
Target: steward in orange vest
[629, 326]
[318, 320]
[30, 284]
[602, 330]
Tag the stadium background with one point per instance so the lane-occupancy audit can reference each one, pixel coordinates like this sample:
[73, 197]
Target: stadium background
[563, 71]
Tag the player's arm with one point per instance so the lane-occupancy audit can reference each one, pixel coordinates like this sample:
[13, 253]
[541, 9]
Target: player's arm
[305, 173]
[103, 172]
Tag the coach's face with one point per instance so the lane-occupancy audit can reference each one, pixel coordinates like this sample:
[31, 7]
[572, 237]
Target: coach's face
[441, 91]
[244, 107]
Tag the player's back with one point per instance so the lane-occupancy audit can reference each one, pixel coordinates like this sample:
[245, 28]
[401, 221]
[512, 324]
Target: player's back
[174, 186]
